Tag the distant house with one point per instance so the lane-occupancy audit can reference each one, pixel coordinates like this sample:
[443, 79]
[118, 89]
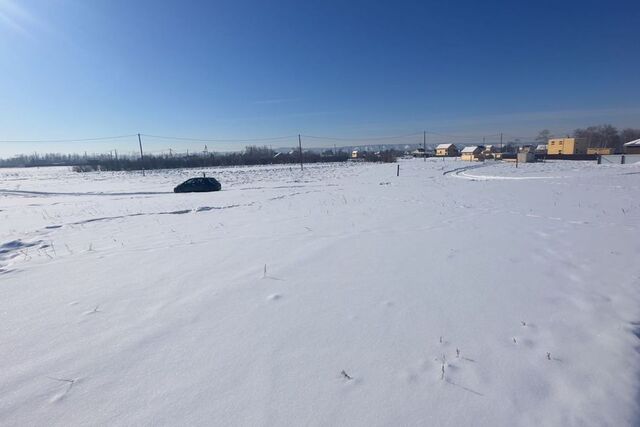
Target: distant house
[567, 146]
[355, 154]
[632, 147]
[419, 152]
[446, 150]
[490, 151]
[472, 153]
[526, 148]
[541, 149]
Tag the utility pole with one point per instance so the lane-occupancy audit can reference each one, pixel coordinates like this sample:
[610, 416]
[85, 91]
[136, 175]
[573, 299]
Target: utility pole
[300, 148]
[116, 151]
[501, 142]
[141, 154]
[424, 144]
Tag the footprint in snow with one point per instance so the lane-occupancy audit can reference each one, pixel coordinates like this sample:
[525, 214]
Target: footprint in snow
[452, 367]
[274, 297]
[408, 377]
[66, 385]
[94, 311]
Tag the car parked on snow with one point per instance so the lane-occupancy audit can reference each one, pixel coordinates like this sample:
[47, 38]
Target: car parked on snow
[198, 185]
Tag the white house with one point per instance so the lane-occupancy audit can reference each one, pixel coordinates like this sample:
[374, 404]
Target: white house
[472, 153]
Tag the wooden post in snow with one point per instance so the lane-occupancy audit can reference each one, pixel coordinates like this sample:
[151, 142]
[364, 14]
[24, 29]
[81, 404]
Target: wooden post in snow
[300, 149]
[424, 144]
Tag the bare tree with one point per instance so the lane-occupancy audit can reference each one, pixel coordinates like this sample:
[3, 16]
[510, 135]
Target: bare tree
[543, 136]
[600, 136]
[629, 134]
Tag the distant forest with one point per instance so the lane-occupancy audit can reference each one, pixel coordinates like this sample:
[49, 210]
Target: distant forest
[251, 155]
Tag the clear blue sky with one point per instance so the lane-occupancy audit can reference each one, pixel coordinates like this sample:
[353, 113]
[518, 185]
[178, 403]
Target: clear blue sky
[248, 69]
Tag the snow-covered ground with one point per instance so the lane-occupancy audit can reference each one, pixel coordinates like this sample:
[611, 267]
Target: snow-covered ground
[334, 296]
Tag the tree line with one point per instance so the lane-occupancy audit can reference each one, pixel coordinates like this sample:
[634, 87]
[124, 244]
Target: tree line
[251, 155]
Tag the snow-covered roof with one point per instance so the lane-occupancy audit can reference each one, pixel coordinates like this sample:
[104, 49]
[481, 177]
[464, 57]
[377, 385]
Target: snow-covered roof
[541, 147]
[470, 149]
[443, 146]
[635, 143]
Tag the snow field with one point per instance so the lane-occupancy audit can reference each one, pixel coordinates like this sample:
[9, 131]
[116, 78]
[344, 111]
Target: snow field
[332, 296]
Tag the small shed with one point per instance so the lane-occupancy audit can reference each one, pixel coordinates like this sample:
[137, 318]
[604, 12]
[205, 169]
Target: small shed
[525, 157]
[472, 153]
[632, 147]
[446, 150]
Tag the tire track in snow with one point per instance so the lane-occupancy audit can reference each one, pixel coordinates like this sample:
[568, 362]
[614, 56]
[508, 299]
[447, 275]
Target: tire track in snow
[14, 248]
[456, 171]
[89, 193]
[462, 174]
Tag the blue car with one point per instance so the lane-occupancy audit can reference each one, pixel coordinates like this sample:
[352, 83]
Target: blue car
[198, 185]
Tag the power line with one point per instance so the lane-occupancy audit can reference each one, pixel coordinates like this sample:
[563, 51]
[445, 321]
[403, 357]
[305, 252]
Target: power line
[102, 138]
[275, 138]
[180, 138]
[464, 136]
[478, 137]
[363, 139]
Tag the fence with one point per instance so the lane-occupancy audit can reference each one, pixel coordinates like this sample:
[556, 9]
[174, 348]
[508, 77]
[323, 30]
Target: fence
[570, 156]
[619, 159]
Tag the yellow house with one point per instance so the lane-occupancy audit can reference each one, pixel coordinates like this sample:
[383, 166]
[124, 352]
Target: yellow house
[567, 146]
[446, 150]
